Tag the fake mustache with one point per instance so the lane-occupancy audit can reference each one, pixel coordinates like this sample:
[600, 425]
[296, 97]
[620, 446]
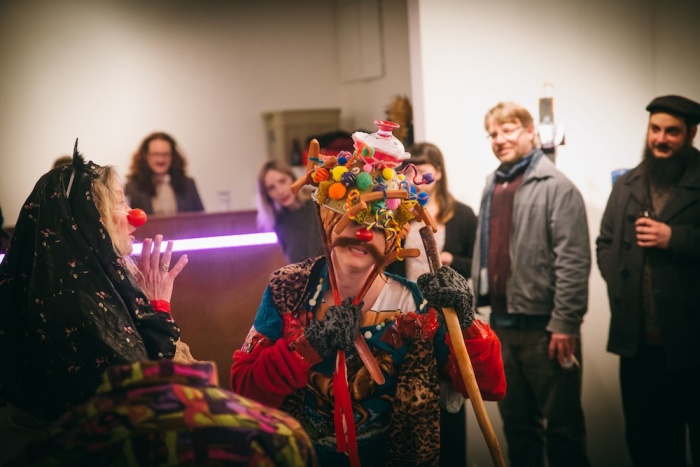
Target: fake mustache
[349, 241]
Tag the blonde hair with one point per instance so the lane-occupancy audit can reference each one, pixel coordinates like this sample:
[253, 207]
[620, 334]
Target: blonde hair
[508, 112]
[106, 188]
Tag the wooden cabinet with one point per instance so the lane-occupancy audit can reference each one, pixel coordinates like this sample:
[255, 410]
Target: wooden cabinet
[216, 296]
[282, 128]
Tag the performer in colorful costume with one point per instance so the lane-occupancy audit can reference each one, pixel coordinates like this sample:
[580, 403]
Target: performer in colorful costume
[352, 353]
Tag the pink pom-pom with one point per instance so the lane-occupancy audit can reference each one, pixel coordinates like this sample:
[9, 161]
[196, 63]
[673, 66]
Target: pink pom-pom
[392, 203]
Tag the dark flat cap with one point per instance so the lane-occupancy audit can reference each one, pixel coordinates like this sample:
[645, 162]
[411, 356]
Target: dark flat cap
[677, 105]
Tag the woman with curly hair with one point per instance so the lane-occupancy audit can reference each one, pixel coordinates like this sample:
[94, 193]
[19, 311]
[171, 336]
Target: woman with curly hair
[157, 181]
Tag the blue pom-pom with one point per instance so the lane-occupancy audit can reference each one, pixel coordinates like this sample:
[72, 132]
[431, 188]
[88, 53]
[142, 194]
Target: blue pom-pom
[342, 160]
[423, 198]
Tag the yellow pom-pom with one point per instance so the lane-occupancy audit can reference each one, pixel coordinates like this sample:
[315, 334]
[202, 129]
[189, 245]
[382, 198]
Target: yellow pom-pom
[338, 172]
[402, 177]
[388, 173]
[337, 191]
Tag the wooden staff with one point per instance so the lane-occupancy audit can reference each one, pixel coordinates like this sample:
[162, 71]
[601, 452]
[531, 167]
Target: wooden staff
[460, 350]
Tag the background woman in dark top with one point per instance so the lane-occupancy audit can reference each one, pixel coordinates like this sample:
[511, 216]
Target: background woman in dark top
[157, 181]
[456, 223]
[292, 217]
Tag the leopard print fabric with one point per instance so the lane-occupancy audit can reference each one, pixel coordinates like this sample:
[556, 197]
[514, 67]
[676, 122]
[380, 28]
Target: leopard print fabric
[415, 419]
[290, 283]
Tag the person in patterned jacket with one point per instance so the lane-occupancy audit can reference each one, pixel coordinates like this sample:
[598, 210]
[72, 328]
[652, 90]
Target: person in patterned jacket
[372, 402]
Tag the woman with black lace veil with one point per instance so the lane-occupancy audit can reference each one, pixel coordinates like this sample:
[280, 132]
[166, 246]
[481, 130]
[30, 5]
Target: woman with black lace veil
[72, 301]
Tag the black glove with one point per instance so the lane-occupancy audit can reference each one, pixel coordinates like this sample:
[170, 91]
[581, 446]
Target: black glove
[337, 330]
[447, 288]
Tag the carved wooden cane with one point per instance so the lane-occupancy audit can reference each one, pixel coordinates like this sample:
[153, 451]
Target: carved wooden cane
[460, 350]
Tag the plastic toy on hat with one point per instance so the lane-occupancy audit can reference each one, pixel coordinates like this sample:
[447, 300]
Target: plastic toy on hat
[382, 147]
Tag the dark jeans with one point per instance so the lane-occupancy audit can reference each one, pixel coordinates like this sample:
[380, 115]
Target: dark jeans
[453, 437]
[542, 414]
[658, 404]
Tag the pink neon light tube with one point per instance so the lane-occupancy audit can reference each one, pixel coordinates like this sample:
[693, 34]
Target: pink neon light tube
[209, 243]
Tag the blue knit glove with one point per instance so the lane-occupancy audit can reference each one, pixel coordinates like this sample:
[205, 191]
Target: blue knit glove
[337, 330]
[447, 288]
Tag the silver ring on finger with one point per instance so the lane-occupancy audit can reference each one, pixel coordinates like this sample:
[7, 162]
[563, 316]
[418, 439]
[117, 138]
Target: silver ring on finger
[165, 267]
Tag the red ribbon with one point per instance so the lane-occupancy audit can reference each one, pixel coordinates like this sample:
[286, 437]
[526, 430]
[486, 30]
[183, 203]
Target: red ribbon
[345, 434]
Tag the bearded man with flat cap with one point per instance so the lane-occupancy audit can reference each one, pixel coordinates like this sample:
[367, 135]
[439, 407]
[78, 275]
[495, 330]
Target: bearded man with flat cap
[649, 255]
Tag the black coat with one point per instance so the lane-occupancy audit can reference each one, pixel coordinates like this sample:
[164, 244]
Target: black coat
[675, 271]
[187, 200]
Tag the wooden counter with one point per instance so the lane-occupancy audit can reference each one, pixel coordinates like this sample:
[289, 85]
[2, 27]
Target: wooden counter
[217, 294]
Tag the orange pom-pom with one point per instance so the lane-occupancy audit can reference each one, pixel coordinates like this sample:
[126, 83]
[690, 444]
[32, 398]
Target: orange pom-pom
[337, 191]
[319, 175]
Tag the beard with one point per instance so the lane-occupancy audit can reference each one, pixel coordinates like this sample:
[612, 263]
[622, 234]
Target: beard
[371, 249]
[667, 172]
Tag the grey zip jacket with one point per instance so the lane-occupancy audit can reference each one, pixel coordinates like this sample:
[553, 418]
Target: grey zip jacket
[550, 250]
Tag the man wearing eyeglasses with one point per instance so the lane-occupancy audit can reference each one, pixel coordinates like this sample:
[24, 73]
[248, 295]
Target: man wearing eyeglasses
[531, 266]
[649, 255]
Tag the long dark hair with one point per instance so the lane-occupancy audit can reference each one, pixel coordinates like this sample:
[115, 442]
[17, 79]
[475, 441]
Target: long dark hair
[141, 174]
[428, 153]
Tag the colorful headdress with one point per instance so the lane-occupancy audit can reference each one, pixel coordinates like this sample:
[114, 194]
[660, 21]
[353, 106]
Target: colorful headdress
[367, 187]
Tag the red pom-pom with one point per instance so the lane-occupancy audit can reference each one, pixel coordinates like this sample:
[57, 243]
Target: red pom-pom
[364, 235]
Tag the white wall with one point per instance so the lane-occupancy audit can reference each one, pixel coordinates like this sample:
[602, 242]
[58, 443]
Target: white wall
[110, 72]
[606, 60]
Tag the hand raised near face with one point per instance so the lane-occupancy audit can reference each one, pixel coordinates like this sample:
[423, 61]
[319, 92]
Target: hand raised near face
[156, 276]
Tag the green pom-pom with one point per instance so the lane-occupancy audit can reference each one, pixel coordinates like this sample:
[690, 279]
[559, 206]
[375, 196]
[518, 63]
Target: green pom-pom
[378, 205]
[363, 181]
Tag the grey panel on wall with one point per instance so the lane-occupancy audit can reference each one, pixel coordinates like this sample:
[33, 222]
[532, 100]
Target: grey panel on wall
[359, 38]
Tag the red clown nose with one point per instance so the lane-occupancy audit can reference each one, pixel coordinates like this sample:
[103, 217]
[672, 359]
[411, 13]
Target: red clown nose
[364, 235]
[136, 217]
